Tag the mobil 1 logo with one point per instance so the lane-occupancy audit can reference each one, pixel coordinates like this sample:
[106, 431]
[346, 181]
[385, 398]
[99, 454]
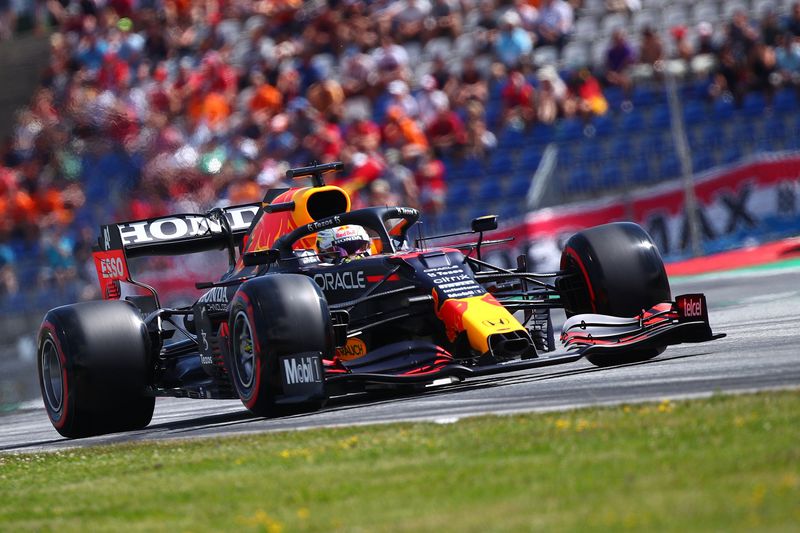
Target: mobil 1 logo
[301, 373]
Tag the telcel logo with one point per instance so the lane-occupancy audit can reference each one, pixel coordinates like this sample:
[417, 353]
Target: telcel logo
[692, 307]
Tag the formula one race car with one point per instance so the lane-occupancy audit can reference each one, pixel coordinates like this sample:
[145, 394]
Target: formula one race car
[287, 326]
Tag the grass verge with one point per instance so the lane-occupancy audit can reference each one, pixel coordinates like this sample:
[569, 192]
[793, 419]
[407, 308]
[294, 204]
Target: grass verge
[727, 463]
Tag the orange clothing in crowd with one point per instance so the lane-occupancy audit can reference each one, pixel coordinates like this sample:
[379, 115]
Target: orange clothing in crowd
[266, 98]
[215, 108]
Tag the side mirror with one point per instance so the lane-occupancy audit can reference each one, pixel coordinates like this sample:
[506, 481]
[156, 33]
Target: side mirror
[262, 257]
[484, 223]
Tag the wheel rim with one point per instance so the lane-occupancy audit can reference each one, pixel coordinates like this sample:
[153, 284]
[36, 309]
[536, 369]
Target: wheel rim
[244, 353]
[52, 376]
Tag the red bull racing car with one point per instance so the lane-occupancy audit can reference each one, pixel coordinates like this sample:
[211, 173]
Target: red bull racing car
[291, 324]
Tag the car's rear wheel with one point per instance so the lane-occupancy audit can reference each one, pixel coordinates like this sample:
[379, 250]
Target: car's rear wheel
[616, 270]
[280, 330]
[93, 363]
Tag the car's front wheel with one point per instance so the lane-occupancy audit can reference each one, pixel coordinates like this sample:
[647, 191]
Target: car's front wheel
[614, 269]
[280, 331]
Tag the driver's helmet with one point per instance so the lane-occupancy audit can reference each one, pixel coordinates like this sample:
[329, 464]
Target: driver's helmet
[343, 243]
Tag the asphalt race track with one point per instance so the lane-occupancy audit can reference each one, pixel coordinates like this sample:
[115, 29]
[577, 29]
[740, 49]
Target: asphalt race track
[758, 311]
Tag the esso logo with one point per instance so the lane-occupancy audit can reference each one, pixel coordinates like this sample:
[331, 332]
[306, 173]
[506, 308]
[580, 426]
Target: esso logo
[692, 308]
[112, 268]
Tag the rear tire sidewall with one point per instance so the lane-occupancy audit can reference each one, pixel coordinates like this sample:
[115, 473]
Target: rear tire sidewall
[100, 351]
[286, 314]
[621, 273]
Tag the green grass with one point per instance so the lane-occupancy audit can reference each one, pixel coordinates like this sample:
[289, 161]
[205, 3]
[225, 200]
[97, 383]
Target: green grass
[729, 463]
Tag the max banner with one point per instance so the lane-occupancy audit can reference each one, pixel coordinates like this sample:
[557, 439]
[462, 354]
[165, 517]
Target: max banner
[753, 201]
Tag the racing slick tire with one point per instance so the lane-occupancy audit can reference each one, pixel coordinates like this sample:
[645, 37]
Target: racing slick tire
[93, 362]
[620, 273]
[280, 331]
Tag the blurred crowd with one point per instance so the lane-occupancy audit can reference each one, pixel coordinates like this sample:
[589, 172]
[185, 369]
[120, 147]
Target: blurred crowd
[155, 106]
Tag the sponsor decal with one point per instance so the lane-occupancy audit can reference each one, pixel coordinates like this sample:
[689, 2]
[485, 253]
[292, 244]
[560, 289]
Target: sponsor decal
[301, 370]
[354, 349]
[106, 238]
[316, 226]
[691, 306]
[183, 226]
[110, 265]
[216, 299]
[335, 281]
[493, 323]
[454, 281]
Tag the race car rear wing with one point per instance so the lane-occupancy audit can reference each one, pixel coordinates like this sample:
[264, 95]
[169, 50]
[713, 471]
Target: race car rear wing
[171, 235]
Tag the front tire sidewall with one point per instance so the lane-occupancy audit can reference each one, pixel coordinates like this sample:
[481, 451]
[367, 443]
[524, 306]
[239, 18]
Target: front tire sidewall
[620, 273]
[285, 314]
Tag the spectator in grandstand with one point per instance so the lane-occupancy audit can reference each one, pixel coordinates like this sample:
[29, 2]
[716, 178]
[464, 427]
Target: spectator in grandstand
[402, 132]
[551, 96]
[480, 140]
[651, 48]
[770, 27]
[446, 131]
[587, 97]
[619, 58]
[683, 47]
[787, 59]
[430, 180]
[741, 36]
[763, 69]
[729, 76]
[425, 97]
[517, 97]
[554, 23]
[705, 39]
[470, 85]
[792, 22]
[444, 20]
[408, 22]
[514, 43]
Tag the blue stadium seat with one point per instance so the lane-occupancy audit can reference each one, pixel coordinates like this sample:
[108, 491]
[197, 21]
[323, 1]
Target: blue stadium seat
[489, 190]
[611, 175]
[785, 100]
[569, 130]
[529, 161]
[511, 138]
[694, 112]
[754, 104]
[702, 160]
[669, 166]
[458, 193]
[645, 96]
[723, 109]
[580, 180]
[660, 118]
[541, 134]
[603, 125]
[640, 171]
[632, 122]
[501, 162]
[520, 184]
